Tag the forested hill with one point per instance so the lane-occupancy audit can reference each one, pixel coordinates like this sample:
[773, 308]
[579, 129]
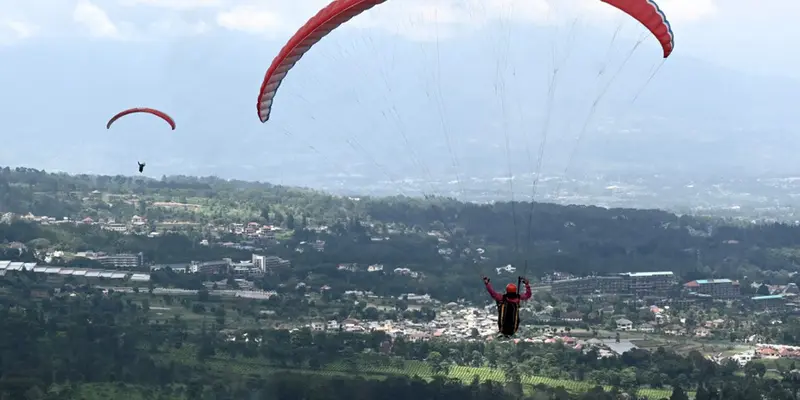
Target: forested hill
[577, 239]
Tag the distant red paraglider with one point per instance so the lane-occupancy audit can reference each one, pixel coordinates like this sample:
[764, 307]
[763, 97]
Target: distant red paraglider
[155, 112]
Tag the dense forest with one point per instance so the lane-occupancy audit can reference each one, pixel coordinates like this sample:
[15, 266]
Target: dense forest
[77, 343]
[575, 239]
[66, 346]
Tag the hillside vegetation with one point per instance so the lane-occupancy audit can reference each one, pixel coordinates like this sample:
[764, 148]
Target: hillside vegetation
[575, 239]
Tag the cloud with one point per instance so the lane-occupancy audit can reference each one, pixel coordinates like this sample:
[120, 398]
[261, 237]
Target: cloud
[413, 18]
[430, 19]
[421, 20]
[688, 10]
[24, 19]
[174, 27]
[174, 4]
[12, 31]
[435, 19]
[253, 20]
[95, 20]
[677, 11]
[21, 29]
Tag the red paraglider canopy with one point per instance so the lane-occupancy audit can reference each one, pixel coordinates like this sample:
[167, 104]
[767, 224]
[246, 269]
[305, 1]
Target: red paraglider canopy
[329, 18]
[650, 15]
[338, 12]
[155, 112]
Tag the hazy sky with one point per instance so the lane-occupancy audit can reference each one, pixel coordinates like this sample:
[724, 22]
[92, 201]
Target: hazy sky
[746, 34]
[68, 65]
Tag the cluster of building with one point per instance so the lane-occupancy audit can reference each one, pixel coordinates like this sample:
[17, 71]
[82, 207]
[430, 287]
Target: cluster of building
[254, 229]
[767, 351]
[627, 283]
[12, 266]
[716, 288]
[122, 260]
[457, 323]
[661, 283]
[140, 225]
[158, 291]
[258, 265]
[136, 224]
[7, 218]
[777, 351]
[354, 267]
[780, 297]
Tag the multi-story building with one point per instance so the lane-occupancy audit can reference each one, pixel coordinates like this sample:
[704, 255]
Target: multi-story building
[114, 227]
[318, 245]
[775, 302]
[211, 267]
[716, 288]
[272, 262]
[246, 268]
[259, 262]
[629, 283]
[650, 283]
[590, 285]
[266, 263]
[128, 261]
[611, 284]
[575, 286]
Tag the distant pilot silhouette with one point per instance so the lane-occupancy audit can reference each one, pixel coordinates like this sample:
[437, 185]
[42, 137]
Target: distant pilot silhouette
[141, 166]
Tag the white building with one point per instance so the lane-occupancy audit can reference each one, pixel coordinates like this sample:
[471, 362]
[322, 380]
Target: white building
[624, 324]
[123, 260]
[266, 263]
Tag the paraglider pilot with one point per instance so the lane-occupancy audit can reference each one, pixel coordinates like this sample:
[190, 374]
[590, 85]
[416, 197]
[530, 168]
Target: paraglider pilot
[141, 166]
[508, 305]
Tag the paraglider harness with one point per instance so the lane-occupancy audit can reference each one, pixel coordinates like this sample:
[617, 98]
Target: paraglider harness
[508, 312]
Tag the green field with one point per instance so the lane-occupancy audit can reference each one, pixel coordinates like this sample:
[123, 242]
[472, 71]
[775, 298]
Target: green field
[380, 370]
[467, 374]
[683, 345]
[775, 365]
[778, 363]
[106, 391]
[161, 311]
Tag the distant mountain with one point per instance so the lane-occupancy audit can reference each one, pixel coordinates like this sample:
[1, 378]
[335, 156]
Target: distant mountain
[369, 106]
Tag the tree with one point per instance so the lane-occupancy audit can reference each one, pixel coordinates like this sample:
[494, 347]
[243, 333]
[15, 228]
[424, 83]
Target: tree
[702, 394]
[141, 208]
[627, 378]
[763, 290]
[265, 214]
[219, 315]
[39, 244]
[678, 394]
[435, 362]
[755, 369]
[34, 393]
